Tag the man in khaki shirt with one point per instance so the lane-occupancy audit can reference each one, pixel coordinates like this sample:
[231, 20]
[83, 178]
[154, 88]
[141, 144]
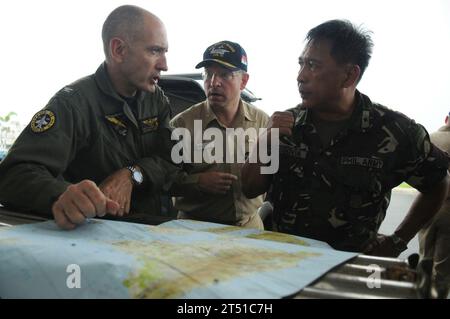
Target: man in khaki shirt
[434, 238]
[210, 188]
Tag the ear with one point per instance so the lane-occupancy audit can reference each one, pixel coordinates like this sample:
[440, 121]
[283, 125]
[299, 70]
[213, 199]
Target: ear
[117, 49]
[352, 72]
[244, 81]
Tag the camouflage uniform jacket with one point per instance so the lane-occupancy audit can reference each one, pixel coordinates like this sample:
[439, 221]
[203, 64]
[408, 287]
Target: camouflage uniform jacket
[339, 194]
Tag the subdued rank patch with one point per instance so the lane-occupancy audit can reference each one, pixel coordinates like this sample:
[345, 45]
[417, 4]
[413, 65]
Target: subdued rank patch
[149, 124]
[42, 121]
[67, 89]
[118, 123]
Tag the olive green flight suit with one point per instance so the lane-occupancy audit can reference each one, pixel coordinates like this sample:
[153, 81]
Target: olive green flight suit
[87, 131]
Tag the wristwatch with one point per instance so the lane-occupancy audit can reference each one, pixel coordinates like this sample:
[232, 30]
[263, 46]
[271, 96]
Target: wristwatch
[399, 244]
[136, 175]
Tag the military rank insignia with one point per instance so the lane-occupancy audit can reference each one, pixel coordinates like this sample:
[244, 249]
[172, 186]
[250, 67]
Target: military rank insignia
[149, 125]
[118, 123]
[42, 121]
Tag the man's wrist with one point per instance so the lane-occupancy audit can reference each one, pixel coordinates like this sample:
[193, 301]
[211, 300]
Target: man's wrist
[399, 243]
[137, 177]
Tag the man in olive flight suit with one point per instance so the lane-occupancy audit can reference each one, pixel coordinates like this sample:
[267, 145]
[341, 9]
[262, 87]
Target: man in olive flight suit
[102, 144]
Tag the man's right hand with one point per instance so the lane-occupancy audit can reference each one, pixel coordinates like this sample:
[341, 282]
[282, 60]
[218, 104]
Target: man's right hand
[81, 201]
[215, 182]
[284, 121]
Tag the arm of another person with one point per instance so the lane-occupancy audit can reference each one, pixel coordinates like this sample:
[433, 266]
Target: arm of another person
[254, 182]
[441, 139]
[422, 210]
[192, 184]
[431, 178]
[424, 207]
[211, 182]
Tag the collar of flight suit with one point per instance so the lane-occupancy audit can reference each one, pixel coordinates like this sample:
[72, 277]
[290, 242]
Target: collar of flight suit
[104, 83]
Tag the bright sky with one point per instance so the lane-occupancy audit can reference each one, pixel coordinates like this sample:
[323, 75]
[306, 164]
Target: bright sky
[47, 44]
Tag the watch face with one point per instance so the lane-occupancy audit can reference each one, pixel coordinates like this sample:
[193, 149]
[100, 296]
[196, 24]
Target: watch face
[137, 176]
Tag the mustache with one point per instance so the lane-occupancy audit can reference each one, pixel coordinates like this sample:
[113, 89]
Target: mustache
[214, 92]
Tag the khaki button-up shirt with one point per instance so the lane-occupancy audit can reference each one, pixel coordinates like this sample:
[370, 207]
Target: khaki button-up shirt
[233, 207]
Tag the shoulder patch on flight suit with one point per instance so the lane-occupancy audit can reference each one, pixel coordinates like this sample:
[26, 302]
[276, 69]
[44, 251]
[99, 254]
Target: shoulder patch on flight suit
[149, 124]
[42, 121]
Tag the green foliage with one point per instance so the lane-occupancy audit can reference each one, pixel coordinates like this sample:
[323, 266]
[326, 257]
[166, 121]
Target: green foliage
[7, 117]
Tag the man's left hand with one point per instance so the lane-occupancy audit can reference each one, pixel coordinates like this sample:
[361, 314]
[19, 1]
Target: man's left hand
[118, 187]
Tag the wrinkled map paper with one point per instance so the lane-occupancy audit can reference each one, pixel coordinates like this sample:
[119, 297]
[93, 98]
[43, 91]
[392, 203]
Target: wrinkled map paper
[178, 259]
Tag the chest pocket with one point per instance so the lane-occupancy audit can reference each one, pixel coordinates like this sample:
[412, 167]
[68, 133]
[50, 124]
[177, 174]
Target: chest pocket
[149, 125]
[114, 142]
[150, 143]
[147, 137]
[360, 190]
[122, 141]
[293, 164]
[292, 178]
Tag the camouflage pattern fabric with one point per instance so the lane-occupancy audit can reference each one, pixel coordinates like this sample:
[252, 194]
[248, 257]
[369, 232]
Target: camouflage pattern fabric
[340, 193]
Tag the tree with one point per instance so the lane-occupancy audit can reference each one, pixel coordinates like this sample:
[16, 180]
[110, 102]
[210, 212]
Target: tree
[7, 117]
[6, 132]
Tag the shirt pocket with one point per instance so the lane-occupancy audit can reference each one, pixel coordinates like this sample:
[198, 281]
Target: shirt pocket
[362, 192]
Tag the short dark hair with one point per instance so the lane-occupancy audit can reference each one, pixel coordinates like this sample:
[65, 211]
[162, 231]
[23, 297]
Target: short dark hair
[349, 44]
[124, 21]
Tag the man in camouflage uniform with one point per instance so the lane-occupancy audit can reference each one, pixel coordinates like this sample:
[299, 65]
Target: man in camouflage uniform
[341, 154]
[102, 144]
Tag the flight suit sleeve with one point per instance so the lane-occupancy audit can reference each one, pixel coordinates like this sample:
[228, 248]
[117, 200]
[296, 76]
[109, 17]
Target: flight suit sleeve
[31, 174]
[184, 183]
[159, 170]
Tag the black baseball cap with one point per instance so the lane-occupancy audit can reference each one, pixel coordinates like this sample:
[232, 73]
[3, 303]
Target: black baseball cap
[226, 53]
